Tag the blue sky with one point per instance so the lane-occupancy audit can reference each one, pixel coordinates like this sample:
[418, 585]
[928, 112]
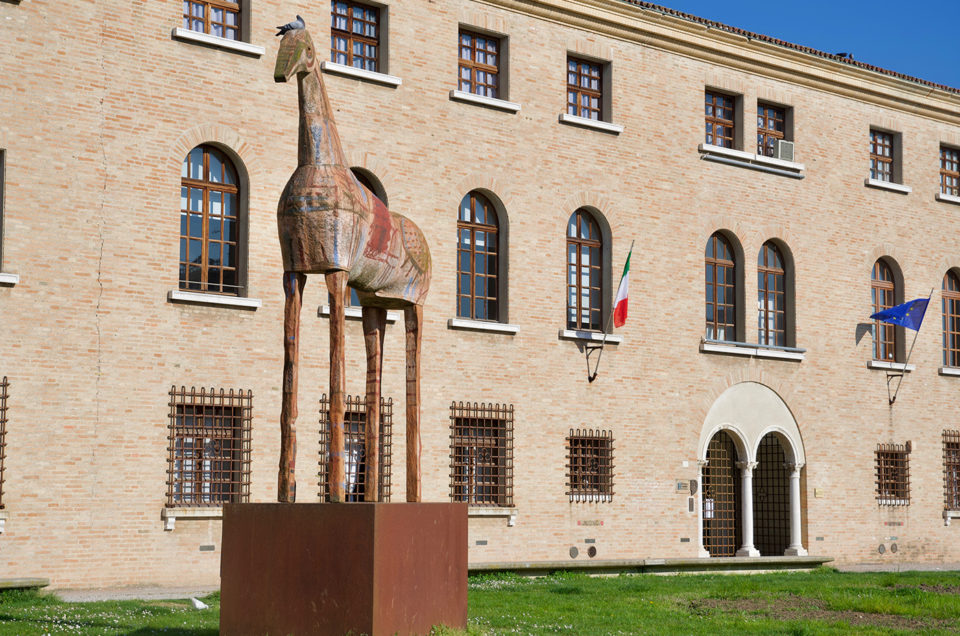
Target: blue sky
[919, 38]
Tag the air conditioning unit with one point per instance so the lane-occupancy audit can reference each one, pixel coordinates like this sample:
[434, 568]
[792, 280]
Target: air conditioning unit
[783, 150]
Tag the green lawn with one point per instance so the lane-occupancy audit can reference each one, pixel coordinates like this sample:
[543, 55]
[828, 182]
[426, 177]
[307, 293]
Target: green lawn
[820, 602]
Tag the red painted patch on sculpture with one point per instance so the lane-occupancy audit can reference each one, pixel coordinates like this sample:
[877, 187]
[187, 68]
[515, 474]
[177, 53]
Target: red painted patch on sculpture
[381, 233]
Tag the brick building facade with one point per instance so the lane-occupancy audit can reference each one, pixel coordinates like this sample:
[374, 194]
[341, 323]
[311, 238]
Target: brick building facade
[113, 318]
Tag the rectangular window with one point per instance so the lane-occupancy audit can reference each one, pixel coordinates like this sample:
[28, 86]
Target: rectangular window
[4, 387]
[355, 35]
[951, 470]
[771, 126]
[216, 17]
[479, 64]
[481, 462]
[881, 156]
[949, 171]
[720, 119]
[209, 462]
[585, 89]
[590, 465]
[893, 474]
[355, 447]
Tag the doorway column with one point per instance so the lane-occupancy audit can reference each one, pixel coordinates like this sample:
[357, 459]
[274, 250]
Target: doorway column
[746, 481]
[796, 545]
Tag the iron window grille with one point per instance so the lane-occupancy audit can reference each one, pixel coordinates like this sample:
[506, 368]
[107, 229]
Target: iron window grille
[216, 17]
[893, 474]
[355, 448]
[771, 125]
[951, 319]
[481, 454]
[584, 89]
[477, 267]
[4, 391]
[949, 171]
[771, 297]
[209, 452]
[719, 114]
[584, 272]
[479, 64]
[590, 466]
[883, 296]
[881, 155]
[720, 289]
[209, 223]
[355, 35]
[951, 470]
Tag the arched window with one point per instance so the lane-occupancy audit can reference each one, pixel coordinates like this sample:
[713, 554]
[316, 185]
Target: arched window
[584, 272]
[951, 320]
[209, 223]
[771, 296]
[883, 296]
[721, 288]
[477, 259]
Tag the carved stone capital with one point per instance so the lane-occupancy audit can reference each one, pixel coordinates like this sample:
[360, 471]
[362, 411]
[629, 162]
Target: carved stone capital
[747, 467]
[793, 467]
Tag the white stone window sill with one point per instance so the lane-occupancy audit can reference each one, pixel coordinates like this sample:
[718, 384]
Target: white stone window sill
[752, 350]
[591, 498]
[482, 325]
[481, 100]
[590, 336]
[477, 512]
[359, 73]
[188, 35]
[948, 198]
[198, 298]
[9, 279]
[4, 515]
[750, 160]
[356, 313]
[891, 366]
[887, 185]
[170, 515]
[949, 371]
[950, 514]
[583, 122]
[891, 501]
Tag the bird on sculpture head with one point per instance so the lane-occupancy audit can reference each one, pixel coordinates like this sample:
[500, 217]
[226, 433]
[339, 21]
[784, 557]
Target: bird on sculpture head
[291, 26]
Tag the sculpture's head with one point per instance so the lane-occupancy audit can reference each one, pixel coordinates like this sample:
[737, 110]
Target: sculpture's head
[296, 56]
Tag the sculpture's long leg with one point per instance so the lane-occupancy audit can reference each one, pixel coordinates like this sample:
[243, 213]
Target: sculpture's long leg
[293, 283]
[337, 286]
[413, 321]
[374, 323]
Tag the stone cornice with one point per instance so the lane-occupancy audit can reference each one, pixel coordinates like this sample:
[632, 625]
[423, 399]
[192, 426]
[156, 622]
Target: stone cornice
[639, 25]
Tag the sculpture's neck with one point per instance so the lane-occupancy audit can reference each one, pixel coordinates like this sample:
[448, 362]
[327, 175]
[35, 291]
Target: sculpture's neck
[319, 141]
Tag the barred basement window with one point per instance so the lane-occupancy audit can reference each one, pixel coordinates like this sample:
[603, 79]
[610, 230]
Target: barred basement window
[590, 465]
[216, 17]
[893, 474]
[355, 447]
[951, 470]
[4, 387]
[481, 454]
[209, 462]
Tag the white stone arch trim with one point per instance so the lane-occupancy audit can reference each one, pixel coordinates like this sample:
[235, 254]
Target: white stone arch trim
[791, 446]
[739, 440]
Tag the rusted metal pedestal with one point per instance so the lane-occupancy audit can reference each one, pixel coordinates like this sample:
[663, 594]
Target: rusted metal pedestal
[362, 568]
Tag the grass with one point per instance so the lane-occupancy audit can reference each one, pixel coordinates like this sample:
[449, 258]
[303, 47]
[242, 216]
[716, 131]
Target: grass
[821, 602]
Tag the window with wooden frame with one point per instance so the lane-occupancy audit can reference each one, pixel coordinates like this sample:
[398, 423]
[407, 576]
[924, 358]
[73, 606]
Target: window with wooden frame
[893, 474]
[720, 119]
[355, 448]
[949, 171]
[721, 289]
[215, 17]
[481, 454]
[881, 156]
[209, 452]
[479, 64]
[477, 259]
[771, 126]
[4, 389]
[209, 223]
[883, 296]
[771, 296]
[585, 88]
[590, 466]
[951, 470]
[355, 35]
[584, 272]
[950, 294]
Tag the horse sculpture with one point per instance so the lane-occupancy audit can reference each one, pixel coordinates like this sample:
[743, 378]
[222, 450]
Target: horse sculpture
[330, 224]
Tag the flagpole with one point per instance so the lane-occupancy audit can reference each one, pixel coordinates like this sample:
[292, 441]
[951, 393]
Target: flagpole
[593, 376]
[910, 353]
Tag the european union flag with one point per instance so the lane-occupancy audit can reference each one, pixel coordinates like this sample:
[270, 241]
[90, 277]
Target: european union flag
[908, 315]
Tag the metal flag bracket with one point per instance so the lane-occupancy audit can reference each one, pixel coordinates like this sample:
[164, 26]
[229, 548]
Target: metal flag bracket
[590, 349]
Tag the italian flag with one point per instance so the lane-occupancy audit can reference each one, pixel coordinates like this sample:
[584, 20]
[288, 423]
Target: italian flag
[620, 305]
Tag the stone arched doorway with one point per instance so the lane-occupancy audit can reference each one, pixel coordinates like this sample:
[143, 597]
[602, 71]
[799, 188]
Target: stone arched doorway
[771, 498]
[721, 507]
